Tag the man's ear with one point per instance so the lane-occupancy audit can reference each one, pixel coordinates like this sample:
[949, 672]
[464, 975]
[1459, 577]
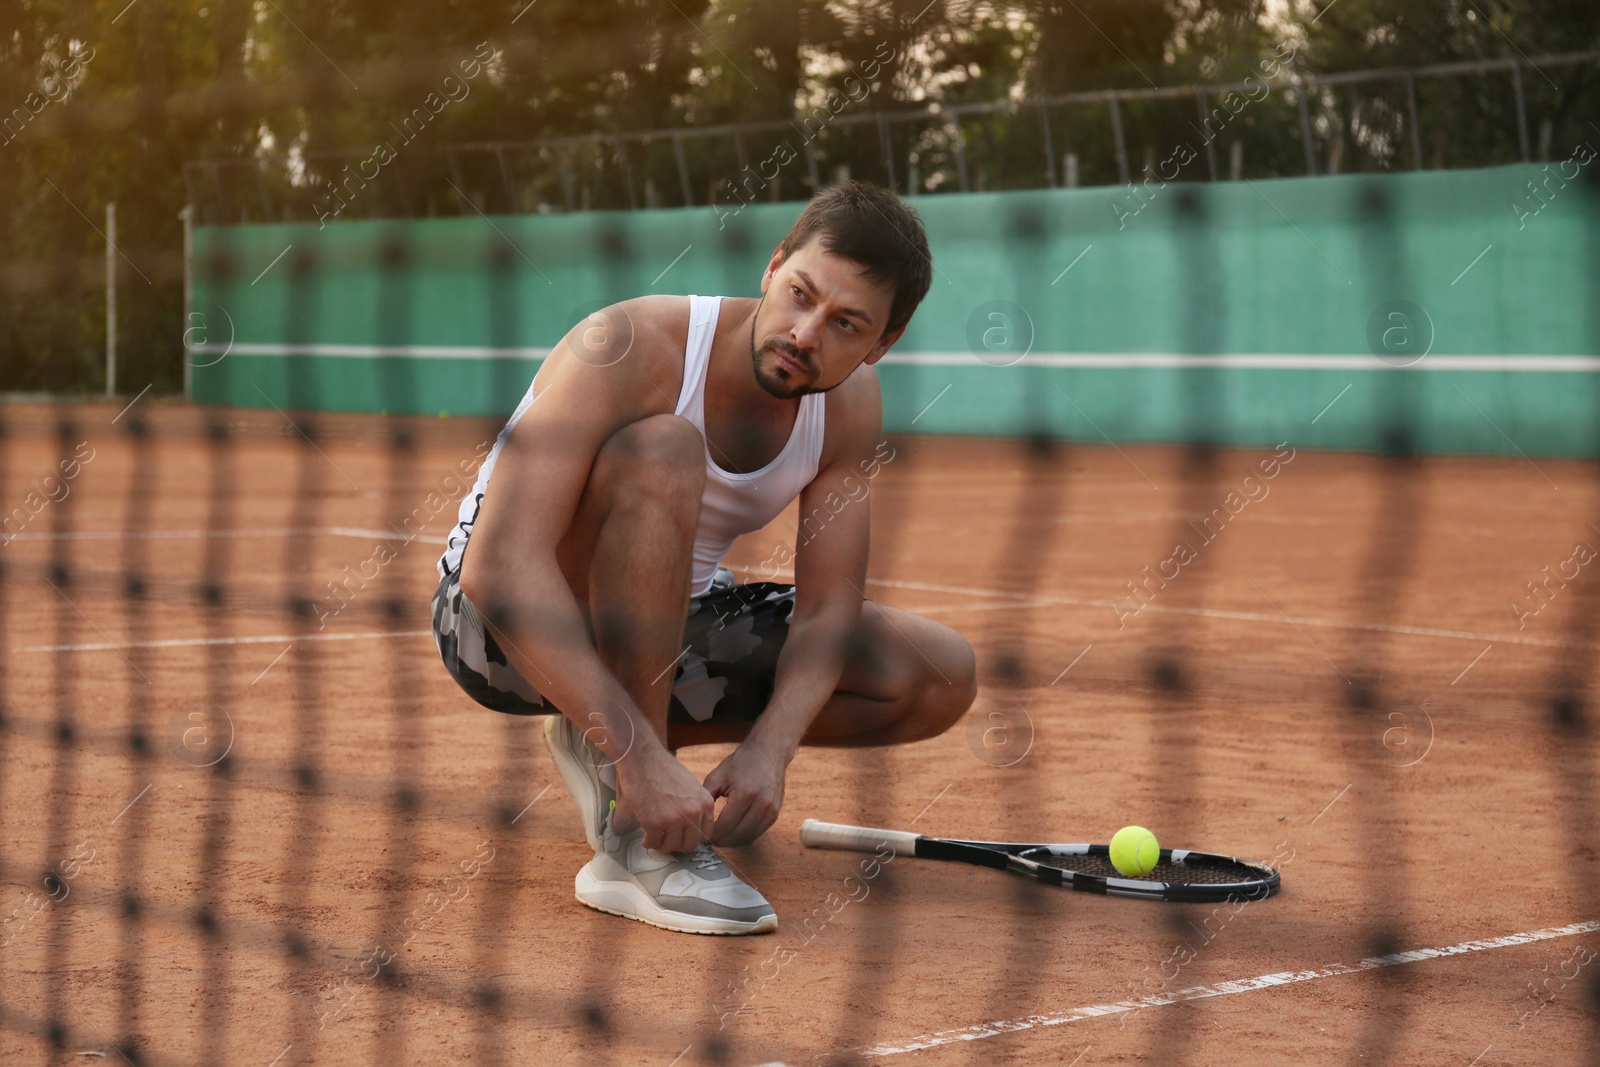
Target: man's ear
[772, 268]
[883, 345]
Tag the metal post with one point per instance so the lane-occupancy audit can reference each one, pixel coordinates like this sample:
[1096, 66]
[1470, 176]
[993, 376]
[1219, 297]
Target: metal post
[1303, 90]
[1122, 147]
[683, 169]
[111, 299]
[505, 176]
[1416, 127]
[1522, 111]
[261, 188]
[1211, 152]
[811, 169]
[187, 215]
[1049, 146]
[960, 147]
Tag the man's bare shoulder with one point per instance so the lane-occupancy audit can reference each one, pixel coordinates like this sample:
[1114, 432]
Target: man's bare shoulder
[655, 329]
[665, 316]
[859, 390]
[642, 340]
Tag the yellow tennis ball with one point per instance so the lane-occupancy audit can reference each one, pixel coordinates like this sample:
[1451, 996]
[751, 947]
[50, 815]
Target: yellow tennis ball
[1134, 851]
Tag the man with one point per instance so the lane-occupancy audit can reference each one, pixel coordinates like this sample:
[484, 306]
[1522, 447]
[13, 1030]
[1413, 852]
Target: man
[584, 581]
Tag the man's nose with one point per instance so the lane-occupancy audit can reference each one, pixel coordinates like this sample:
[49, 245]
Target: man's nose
[807, 330]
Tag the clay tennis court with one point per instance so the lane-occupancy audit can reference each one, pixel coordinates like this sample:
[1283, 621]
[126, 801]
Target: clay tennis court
[367, 802]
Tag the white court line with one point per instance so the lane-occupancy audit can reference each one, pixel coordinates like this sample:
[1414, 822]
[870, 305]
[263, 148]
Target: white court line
[151, 535]
[940, 609]
[189, 535]
[1221, 989]
[1036, 600]
[382, 535]
[1009, 600]
[1257, 361]
[196, 642]
[1361, 361]
[377, 351]
[1143, 516]
[1020, 600]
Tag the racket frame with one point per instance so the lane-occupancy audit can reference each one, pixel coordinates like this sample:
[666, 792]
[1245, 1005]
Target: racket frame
[1014, 856]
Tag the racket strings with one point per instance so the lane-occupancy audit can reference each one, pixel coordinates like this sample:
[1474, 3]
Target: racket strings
[1216, 871]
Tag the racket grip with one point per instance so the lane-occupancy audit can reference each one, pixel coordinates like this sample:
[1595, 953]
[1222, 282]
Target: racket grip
[817, 834]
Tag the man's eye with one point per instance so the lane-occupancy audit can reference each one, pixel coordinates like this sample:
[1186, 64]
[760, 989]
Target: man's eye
[845, 324]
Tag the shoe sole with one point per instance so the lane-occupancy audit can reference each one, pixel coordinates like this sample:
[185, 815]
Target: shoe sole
[630, 902]
[577, 780]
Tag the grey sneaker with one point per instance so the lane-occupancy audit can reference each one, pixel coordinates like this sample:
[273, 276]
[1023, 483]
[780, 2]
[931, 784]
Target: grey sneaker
[589, 776]
[690, 892]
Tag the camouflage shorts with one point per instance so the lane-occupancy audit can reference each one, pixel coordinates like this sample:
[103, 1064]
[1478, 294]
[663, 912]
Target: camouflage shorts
[734, 634]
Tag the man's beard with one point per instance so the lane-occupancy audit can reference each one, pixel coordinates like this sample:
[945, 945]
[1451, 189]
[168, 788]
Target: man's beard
[776, 380]
[777, 383]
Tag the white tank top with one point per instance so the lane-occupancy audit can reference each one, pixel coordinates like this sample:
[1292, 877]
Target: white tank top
[732, 504]
[735, 504]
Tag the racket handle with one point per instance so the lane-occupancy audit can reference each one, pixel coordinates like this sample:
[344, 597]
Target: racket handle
[817, 834]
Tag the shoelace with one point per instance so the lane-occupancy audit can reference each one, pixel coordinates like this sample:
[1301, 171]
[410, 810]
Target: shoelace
[704, 858]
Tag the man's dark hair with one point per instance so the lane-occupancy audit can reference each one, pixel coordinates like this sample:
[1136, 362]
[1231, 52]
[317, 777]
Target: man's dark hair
[874, 227]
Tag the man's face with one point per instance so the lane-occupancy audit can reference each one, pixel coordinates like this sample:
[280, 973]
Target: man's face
[819, 320]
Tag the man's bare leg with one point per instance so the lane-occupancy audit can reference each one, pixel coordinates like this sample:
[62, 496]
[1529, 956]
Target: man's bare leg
[907, 679]
[628, 558]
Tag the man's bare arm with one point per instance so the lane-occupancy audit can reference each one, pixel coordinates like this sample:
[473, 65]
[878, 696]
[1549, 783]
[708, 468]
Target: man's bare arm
[830, 574]
[591, 386]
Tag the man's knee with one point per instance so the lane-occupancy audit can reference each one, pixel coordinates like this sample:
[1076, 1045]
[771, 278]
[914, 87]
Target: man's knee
[947, 688]
[660, 459]
[952, 691]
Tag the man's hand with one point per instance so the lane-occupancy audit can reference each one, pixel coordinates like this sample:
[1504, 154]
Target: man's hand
[660, 794]
[752, 780]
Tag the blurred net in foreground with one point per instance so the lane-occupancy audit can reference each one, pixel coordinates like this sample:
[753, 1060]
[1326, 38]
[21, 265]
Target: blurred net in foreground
[246, 818]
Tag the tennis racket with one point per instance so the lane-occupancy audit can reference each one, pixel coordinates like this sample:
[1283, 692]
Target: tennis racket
[1182, 876]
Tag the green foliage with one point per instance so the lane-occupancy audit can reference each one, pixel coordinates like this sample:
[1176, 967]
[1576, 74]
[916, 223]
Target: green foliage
[299, 95]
